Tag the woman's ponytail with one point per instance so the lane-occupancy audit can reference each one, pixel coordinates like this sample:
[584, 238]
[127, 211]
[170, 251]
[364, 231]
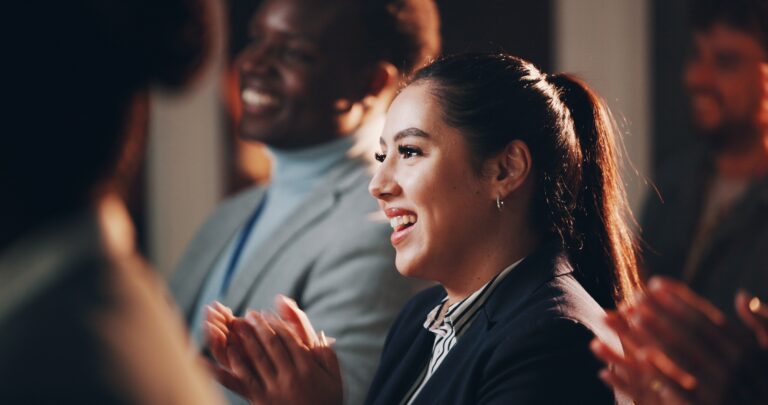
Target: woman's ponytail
[601, 245]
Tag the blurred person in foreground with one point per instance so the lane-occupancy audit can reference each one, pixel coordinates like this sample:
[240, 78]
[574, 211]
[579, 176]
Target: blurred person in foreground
[82, 317]
[316, 79]
[690, 343]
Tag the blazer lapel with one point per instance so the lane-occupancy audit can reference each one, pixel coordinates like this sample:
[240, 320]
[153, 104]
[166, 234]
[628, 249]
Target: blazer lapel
[743, 215]
[687, 207]
[508, 296]
[210, 249]
[456, 358]
[403, 375]
[320, 201]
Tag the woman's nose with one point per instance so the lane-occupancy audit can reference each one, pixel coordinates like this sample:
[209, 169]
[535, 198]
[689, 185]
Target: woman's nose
[383, 184]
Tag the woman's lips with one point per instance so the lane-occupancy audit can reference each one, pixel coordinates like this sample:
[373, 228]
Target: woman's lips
[402, 222]
[398, 235]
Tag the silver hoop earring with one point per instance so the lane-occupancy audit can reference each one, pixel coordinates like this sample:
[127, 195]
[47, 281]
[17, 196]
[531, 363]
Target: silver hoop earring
[499, 203]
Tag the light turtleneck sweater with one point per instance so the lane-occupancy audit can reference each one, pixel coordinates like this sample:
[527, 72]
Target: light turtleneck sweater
[295, 174]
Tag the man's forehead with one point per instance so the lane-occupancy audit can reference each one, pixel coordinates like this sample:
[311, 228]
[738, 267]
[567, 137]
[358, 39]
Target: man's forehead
[314, 19]
[723, 37]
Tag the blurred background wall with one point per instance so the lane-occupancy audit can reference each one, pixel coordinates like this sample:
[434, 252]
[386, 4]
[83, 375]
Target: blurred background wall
[631, 51]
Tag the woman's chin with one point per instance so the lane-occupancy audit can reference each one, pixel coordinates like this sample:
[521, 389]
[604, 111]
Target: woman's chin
[410, 268]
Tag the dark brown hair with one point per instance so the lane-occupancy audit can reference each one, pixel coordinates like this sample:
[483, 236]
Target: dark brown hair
[405, 33]
[579, 200]
[750, 16]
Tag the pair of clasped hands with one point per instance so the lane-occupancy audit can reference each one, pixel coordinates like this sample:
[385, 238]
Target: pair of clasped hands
[678, 348]
[273, 358]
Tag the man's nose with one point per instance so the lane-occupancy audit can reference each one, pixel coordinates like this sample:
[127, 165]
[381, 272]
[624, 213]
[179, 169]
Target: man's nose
[697, 74]
[255, 59]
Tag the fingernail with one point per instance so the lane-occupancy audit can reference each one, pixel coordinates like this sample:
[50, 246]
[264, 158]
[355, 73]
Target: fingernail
[755, 304]
[251, 317]
[289, 301]
[655, 284]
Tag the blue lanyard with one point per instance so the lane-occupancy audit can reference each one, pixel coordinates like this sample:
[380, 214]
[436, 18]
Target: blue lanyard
[239, 247]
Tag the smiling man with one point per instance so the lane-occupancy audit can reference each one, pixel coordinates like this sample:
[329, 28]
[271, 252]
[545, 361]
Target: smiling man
[316, 78]
[711, 230]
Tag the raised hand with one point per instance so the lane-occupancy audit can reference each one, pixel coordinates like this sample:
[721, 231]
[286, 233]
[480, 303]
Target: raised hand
[754, 314]
[218, 321]
[270, 364]
[679, 348]
[269, 360]
[637, 372]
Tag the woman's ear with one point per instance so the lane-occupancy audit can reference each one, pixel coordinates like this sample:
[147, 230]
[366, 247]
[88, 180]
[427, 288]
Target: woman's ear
[511, 169]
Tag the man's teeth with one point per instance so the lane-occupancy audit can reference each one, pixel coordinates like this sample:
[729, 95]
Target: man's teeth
[394, 222]
[257, 98]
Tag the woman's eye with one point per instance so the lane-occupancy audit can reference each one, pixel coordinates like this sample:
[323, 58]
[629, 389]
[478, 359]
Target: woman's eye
[409, 151]
[380, 156]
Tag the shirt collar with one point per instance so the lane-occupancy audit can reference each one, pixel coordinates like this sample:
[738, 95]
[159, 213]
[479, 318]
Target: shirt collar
[459, 313]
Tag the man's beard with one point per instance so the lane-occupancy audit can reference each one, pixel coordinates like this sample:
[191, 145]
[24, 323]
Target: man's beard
[730, 136]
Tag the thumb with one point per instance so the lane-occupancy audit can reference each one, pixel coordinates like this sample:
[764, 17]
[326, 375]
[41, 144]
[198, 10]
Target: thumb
[296, 319]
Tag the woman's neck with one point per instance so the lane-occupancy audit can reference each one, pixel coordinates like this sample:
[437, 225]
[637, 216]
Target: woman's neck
[479, 268]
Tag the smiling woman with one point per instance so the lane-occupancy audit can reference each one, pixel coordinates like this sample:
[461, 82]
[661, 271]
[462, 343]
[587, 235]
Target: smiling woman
[501, 184]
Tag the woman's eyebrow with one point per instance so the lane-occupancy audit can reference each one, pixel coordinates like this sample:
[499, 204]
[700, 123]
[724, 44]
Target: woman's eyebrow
[408, 132]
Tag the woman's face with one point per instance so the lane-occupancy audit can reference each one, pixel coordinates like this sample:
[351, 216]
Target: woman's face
[438, 205]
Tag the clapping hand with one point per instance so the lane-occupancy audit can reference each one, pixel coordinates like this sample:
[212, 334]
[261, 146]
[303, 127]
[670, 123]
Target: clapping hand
[269, 359]
[680, 349]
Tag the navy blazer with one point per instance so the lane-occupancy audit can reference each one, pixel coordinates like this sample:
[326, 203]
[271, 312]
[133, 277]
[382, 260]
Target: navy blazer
[528, 345]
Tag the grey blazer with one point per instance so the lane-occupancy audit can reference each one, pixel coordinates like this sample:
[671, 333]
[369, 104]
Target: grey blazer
[331, 257]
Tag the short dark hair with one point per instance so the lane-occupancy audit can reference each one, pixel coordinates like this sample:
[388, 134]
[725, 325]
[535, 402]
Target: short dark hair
[405, 33]
[579, 200]
[750, 16]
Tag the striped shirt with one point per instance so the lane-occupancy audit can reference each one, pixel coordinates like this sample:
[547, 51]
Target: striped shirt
[449, 324]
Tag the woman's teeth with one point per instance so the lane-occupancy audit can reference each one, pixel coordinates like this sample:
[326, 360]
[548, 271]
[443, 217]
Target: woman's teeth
[256, 98]
[395, 222]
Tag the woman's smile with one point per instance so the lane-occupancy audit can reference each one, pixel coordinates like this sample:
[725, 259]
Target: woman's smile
[402, 222]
